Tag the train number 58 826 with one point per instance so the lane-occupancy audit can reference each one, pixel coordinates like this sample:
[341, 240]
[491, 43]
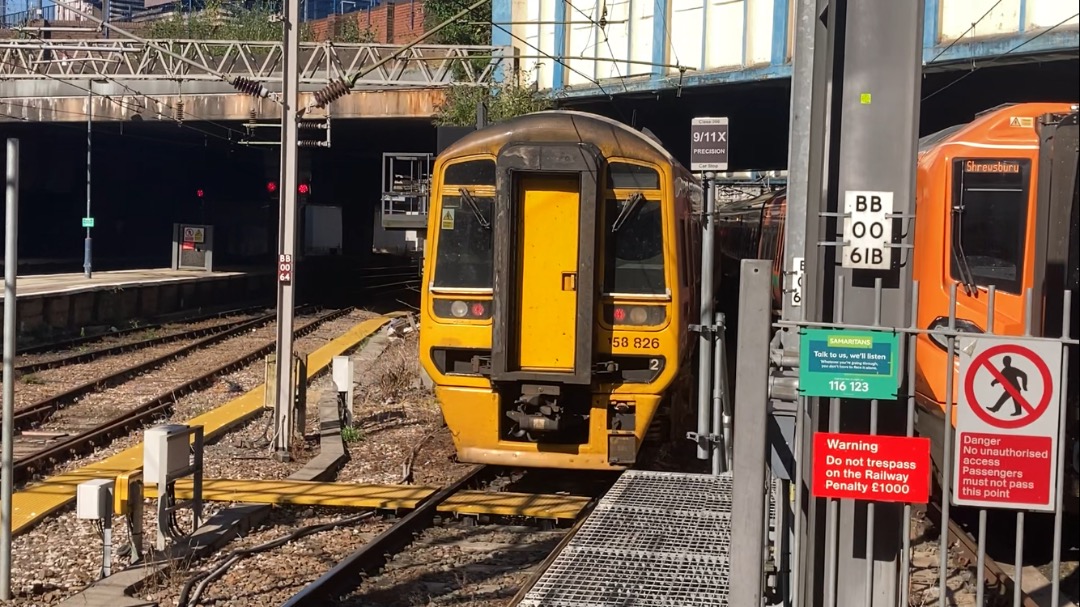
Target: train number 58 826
[639, 343]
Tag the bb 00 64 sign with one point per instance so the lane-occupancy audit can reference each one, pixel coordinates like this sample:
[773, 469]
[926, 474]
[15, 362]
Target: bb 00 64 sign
[867, 230]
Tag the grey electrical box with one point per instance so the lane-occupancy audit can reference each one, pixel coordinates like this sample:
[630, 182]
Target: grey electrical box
[93, 499]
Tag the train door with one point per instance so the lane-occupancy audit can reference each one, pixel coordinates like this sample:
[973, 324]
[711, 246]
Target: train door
[547, 257]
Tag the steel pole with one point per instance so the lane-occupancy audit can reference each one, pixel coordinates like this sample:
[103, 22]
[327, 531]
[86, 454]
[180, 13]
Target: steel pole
[87, 244]
[11, 265]
[283, 398]
[705, 342]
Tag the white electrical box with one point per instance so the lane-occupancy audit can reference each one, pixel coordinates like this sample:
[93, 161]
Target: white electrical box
[165, 452]
[93, 499]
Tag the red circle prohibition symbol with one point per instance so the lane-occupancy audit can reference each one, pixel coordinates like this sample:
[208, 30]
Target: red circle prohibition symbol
[983, 360]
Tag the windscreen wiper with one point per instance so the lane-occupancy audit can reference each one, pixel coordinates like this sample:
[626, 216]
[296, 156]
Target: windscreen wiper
[628, 207]
[484, 223]
[966, 277]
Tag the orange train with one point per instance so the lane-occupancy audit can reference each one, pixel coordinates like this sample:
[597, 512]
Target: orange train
[996, 204]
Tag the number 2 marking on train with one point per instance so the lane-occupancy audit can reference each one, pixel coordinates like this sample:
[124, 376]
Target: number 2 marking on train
[654, 364]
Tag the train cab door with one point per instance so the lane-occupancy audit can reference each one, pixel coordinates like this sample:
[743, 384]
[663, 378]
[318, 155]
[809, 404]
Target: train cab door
[545, 243]
[547, 254]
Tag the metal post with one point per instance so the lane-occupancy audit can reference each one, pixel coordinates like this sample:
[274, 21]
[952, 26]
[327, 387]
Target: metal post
[89, 131]
[876, 91]
[705, 341]
[11, 266]
[283, 406]
[721, 416]
[751, 415]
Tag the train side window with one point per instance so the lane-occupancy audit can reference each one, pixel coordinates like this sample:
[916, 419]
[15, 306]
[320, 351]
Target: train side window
[470, 172]
[632, 177]
[989, 221]
[634, 255]
[463, 258]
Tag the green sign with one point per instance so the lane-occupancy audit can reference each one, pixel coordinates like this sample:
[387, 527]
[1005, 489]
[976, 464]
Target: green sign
[87, 222]
[848, 364]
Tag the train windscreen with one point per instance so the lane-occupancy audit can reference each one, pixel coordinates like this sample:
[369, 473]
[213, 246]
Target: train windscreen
[464, 257]
[634, 232]
[989, 221]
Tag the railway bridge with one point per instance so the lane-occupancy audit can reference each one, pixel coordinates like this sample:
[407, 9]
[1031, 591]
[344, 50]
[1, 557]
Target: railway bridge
[121, 79]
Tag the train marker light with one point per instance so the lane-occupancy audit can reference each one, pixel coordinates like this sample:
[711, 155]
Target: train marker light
[619, 315]
[271, 186]
[199, 192]
[304, 188]
[459, 309]
[478, 309]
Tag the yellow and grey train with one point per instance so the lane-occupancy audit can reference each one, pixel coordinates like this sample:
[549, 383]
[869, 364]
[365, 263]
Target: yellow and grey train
[560, 278]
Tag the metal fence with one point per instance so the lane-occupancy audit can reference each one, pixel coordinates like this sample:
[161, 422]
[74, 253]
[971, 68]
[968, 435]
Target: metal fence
[967, 353]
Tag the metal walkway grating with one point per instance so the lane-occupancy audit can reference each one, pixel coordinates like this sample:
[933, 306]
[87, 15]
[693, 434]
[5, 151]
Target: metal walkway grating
[656, 538]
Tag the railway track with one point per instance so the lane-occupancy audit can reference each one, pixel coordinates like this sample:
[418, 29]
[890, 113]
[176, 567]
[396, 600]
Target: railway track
[27, 417]
[85, 356]
[38, 452]
[335, 586]
[77, 342]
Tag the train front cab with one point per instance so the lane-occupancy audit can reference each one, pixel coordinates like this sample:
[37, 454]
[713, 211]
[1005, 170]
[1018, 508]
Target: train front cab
[567, 363]
[979, 212]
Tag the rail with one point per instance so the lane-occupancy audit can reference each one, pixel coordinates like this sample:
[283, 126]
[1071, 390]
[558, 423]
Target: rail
[373, 555]
[95, 437]
[422, 66]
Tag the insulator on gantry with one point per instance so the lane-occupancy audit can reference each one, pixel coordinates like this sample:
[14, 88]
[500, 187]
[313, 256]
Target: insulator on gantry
[249, 87]
[335, 90]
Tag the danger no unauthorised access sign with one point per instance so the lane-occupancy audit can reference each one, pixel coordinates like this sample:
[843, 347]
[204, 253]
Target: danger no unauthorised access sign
[1007, 424]
[871, 467]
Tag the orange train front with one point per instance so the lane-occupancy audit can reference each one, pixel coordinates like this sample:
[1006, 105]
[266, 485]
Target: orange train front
[980, 200]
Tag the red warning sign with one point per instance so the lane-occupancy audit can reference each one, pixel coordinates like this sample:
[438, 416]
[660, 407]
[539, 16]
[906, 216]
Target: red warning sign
[872, 467]
[1007, 424]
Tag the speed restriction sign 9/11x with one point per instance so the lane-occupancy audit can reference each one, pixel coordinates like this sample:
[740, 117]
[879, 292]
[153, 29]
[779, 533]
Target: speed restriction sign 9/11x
[709, 144]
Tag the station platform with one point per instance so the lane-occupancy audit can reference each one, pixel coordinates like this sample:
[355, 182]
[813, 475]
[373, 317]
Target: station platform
[55, 306]
[655, 538]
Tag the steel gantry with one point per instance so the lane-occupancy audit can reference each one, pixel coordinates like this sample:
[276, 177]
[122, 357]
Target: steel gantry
[424, 65]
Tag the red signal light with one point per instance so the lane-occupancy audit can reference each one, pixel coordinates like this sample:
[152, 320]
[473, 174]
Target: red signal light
[303, 188]
[271, 186]
[199, 192]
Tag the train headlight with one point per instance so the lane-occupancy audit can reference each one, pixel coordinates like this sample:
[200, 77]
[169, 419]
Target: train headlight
[462, 309]
[636, 316]
[459, 309]
[941, 323]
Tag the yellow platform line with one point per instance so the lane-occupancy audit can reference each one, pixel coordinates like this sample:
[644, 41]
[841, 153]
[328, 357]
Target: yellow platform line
[304, 493]
[37, 501]
[515, 504]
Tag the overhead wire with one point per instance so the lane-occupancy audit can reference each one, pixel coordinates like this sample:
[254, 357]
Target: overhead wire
[961, 36]
[1003, 55]
[607, 40]
[610, 96]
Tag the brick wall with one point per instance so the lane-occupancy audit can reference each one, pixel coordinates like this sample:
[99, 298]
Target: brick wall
[399, 23]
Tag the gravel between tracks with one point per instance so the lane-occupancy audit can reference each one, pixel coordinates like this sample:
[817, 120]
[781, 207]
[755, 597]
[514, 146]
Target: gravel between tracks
[393, 415]
[108, 341]
[482, 566]
[48, 382]
[62, 554]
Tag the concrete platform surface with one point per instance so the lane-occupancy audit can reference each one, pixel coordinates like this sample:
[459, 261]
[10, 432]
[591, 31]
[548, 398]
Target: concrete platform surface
[57, 284]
